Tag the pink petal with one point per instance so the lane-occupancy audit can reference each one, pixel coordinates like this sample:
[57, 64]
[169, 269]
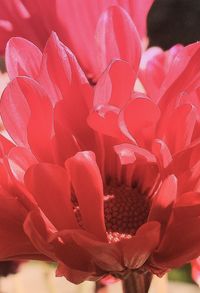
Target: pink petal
[115, 85]
[88, 187]
[183, 76]
[105, 121]
[140, 117]
[114, 31]
[50, 187]
[128, 153]
[183, 120]
[15, 112]
[41, 117]
[62, 67]
[20, 159]
[22, 58]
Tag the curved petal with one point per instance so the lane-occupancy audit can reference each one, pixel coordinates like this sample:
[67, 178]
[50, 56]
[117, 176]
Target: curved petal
[104, 120]
[183, 120]
[140, 117]
[20, 159]
[162, 204]
[50, 187]
[40, 230]
[93, 254]
[117, 37]
[15, 112]
[162, 153]
[22, 58]
[137, 250]
[183, 76]
[180, 244]
[115, 85]
[187, 205]
[14, 241]
[129, 153]
[88, 187]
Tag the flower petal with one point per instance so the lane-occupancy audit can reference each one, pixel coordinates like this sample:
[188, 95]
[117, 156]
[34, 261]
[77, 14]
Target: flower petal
[115, 85]
[140, 117]
[50, 187]
[88, 187]
[22, 58]
[15, 112]
[138, 249]
[14, 241]
[114, 31]
[20, 159]
[163, 201]
[181, 244]
[183, 120]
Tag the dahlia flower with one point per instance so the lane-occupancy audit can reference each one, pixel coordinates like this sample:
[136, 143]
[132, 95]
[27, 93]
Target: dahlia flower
[76, 23]
[101, 180]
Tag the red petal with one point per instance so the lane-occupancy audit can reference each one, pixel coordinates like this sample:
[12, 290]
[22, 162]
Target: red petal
[5, 145]
[138, 249]
[187, 205]
[163, 201]
[88, 187]
[73, 276]
[106, 257]
[162, 153]
[180, 245]
[39, 230]
[14, 241]
[50, 186]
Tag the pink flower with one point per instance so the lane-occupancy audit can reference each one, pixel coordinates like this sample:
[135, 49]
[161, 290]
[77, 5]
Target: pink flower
[101, 180]
[77, 24]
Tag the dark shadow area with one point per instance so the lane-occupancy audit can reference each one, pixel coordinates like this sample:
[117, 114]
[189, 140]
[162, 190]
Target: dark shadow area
[174, 21]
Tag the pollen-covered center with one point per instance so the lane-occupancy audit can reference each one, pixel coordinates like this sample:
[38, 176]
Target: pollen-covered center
[125, 211]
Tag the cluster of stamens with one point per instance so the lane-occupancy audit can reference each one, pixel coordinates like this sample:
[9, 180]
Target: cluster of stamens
[125, 210]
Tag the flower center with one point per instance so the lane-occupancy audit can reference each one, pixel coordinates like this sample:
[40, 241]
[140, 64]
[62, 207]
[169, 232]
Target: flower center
[125, 211]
